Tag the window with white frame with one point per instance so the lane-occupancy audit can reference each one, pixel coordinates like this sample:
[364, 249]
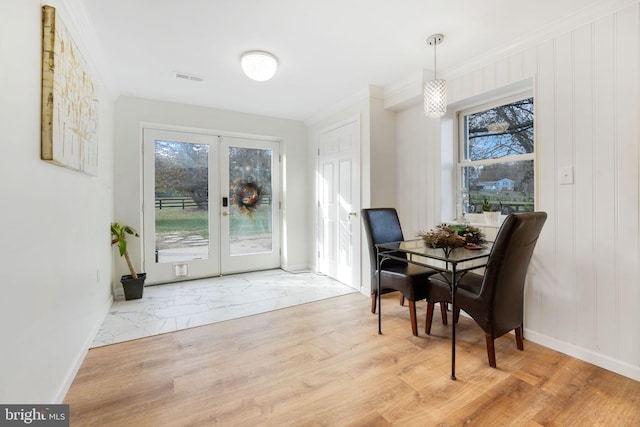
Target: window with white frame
[496, 157]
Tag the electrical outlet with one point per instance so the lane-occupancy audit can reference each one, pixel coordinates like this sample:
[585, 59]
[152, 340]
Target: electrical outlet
[566, 175]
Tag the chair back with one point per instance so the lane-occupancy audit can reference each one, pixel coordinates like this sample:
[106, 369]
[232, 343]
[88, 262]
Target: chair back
[506, 271]
[381, 225]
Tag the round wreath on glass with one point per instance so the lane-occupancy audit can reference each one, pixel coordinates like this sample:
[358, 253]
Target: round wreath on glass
[448, 237]
[247, 196]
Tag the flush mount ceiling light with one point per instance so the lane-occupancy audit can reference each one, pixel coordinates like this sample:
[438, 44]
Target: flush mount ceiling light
[259, 65]
[435, 91]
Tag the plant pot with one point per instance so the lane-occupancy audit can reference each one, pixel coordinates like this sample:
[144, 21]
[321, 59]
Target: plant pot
[133, 288]
[491, 218]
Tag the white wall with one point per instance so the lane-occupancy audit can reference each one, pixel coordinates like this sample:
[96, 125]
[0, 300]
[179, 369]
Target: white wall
[131, 113]
[55, 252]
[383, 149]
[583, 291]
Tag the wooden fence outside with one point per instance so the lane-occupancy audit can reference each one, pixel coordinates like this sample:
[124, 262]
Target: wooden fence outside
[175, 202]
[188, 202]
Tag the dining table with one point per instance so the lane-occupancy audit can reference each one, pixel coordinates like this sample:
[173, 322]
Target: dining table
[451, 263]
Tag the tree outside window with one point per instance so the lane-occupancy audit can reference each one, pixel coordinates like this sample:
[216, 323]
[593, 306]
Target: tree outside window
[497, 157]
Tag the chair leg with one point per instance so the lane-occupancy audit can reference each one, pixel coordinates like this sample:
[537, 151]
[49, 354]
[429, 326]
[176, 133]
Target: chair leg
[519, 342]
[374, 301]
[491, 351]
[443, 312]
[414, 320]
[456, 315]
[429, 319]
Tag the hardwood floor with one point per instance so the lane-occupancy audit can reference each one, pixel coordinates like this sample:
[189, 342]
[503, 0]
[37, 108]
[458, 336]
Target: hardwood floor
[323, 363]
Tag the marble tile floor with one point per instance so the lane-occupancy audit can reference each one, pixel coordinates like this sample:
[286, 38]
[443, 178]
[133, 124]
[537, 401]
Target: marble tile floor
[175, 306]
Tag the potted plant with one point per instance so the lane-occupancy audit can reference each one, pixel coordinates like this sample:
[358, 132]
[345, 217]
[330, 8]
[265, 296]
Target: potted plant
[491, 216]
[133, 284]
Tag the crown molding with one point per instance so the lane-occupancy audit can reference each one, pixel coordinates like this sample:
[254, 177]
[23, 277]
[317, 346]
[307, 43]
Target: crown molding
[406, 92]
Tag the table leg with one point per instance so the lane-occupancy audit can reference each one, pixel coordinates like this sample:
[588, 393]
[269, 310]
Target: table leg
[454, 286]
[378, 296]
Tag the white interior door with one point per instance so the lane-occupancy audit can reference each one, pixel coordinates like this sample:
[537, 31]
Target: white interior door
[250, 199]
[181, 205]
[339, 202]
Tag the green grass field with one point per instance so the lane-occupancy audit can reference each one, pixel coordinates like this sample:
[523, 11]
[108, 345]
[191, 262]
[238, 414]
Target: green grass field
[190, 221]
[196, 221]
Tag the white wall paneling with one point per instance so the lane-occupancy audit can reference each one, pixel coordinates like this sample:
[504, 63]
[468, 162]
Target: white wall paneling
[542, 309]
[605, 187]
[583, 194]
[563, 97]
[627, 214]
[414, 171]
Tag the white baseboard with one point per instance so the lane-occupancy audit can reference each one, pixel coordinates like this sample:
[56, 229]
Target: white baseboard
[586, 355]
[77, 362]
[300, 267]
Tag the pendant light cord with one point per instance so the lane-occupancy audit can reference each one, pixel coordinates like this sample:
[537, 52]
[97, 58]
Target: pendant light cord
[435, 67]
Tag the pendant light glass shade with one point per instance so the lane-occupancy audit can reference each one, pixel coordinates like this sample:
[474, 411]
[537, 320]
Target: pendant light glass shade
[435, 98]
[258, 65]
[435, 91]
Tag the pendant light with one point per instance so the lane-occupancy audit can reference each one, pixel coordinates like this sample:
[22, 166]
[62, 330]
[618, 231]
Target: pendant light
[435, 91]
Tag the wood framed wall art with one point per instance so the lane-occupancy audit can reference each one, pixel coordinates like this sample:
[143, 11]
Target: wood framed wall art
[69, 100]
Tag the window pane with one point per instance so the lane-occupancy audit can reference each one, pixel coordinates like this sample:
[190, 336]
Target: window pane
[182, 196]
[502, 131]
[507, 186]
[250, 225]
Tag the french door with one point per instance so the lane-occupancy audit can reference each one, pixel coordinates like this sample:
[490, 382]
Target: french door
[250, 225]
[211, 205]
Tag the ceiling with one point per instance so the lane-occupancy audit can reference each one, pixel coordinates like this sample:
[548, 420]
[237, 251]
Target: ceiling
[328, 50]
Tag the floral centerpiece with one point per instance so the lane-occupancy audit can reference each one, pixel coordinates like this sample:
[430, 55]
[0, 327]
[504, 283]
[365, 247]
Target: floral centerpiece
[449, 237]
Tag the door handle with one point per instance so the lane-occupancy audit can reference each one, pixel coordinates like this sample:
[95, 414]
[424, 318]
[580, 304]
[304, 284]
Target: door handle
[225, 213]
[353, 213]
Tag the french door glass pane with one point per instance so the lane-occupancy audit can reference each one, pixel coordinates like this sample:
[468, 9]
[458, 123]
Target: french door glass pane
[181, 201]
[250, 195]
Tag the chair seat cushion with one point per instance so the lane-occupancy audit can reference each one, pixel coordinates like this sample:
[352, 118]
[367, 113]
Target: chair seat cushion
[470, 283]
[411, 280]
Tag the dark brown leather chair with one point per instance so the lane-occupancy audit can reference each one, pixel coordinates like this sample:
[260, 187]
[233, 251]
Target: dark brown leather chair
[495, 300]
[382, 225]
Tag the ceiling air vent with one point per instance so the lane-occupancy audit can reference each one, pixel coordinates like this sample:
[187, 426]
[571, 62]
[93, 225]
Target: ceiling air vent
[186, 76]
